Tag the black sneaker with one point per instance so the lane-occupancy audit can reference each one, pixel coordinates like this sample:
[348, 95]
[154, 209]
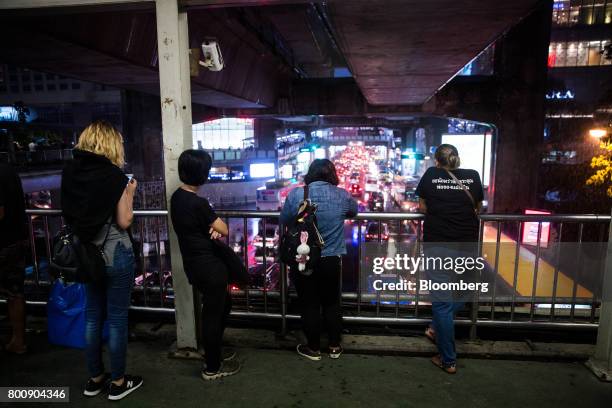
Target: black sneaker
[227, 368]
[93, 388]
[305, 351]
[130, 383]
[335, 352]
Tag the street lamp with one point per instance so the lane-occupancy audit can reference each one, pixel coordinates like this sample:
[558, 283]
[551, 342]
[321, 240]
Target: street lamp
[598, 133]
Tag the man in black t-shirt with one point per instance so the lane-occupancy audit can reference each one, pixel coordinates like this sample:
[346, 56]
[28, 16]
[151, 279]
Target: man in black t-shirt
[13, 235]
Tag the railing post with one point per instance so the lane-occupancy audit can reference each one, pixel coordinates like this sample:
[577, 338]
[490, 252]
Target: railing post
[601, 363]
[175, 94]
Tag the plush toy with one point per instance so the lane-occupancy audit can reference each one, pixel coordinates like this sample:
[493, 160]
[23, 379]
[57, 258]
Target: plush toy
[303, 250]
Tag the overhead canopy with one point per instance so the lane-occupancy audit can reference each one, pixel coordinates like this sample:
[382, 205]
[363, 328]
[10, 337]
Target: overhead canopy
[400, 52]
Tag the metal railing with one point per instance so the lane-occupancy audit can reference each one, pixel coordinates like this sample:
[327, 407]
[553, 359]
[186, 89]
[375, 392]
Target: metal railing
[270, 295]
[40, 156]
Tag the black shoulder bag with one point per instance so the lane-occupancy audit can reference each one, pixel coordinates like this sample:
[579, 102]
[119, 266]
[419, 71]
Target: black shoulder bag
[238, 274]
[78, 261]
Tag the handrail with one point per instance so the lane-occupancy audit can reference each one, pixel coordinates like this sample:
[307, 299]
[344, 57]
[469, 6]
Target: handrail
[156, 293]
[379, 216]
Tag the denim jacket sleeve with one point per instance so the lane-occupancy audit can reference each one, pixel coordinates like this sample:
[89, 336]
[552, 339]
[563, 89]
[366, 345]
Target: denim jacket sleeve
[351, 206]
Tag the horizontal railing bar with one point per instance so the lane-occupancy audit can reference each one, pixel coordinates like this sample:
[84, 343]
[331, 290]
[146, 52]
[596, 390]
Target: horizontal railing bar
[378, 216]
[380, 319]
[546, 218]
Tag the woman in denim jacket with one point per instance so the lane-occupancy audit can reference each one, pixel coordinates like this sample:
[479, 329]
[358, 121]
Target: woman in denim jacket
[321, 289]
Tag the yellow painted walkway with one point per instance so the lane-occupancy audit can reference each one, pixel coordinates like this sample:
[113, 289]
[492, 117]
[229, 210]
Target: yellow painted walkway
[526, 263]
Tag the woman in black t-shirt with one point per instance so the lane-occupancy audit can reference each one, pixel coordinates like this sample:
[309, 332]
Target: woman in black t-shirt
[450, 197]
[196, 226]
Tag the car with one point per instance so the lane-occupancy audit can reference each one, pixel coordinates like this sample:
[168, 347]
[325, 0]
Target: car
[371, 184]
[271, 254]
[376, 202]
[373, 229]
[272, 234]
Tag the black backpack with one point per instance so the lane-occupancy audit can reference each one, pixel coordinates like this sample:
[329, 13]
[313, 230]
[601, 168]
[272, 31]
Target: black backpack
[305, 222]
[76, 261]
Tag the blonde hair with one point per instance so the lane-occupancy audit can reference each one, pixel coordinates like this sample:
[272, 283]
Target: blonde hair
[102, 138]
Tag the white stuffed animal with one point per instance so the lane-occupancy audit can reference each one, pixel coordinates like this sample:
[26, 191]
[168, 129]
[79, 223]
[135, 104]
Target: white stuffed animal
[303, 250]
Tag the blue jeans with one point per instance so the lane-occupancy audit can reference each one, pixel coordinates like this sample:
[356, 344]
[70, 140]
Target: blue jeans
[445, 304]
[110, 302]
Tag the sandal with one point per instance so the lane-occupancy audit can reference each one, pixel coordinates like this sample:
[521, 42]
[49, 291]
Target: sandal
[430, 334]
[447, 368]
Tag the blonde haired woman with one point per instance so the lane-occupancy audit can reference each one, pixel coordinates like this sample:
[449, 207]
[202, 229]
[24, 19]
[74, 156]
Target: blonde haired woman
[97, 202]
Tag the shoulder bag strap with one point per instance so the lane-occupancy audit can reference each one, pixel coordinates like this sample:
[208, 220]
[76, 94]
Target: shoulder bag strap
[305, 192]
[465, 189]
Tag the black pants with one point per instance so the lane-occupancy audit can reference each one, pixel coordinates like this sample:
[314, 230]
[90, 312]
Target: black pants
[211, 279]
[321, 290]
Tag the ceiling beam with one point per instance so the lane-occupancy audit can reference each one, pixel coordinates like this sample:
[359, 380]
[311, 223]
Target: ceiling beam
[28, 4]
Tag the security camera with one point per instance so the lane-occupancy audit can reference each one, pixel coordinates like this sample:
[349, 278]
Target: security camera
[213, 60]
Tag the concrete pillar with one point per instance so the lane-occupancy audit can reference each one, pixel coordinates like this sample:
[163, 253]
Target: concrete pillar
[601, 363]
[265, 133]
[521, 66]
[175, 93]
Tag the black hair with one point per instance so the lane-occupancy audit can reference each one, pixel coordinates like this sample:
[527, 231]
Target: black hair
[194, 166]
[447, 156]
[322, 170]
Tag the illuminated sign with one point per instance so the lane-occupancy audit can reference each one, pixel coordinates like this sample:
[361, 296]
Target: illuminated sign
[560, 95]
[8, 114]
[530, 230]
[259, 170]
[475, 152]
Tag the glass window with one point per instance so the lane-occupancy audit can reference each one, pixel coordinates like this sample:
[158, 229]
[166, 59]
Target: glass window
[571, 54]
[582, 57]
[50, 87]
[594, 55]
[227, 133]
[604, 60]
[561, 12]
[598, 12]
[63, 87]
[573, 14]
[561, 51]
[608, 12]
